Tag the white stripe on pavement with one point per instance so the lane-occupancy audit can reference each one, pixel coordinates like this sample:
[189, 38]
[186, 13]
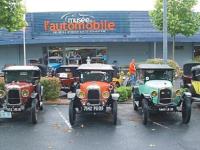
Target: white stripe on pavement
[62, 116]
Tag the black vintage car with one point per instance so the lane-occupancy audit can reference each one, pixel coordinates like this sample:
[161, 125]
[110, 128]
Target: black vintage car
[22, 93]
[187, 73]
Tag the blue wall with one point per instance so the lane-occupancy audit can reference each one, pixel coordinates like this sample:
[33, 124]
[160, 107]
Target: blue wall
[131, 26]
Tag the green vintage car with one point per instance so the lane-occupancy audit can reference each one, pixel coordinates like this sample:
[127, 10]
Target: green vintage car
[154, 92]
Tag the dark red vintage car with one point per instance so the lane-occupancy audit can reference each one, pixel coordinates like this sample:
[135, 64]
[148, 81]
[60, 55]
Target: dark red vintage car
[22, 93]
[95, 93]
[67, 74]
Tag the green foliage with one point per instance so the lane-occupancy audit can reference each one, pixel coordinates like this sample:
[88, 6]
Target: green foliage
[181, 18]
[171, 63]
[51, 86]
[124, 92]
[12, 15]
[2, 84]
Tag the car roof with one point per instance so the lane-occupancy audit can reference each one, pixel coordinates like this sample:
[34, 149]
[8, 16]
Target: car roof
[11, 68]
[154, 66]
[196, 68]
[96, 66]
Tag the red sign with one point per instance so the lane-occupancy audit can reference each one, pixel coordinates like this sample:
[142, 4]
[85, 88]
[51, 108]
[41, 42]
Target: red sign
[79, 26]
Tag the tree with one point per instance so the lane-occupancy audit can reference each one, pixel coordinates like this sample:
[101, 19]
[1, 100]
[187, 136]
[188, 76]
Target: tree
[181, 18]
[12, 15]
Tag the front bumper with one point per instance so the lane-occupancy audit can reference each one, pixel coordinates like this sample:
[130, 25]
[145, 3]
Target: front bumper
[169, 107]
[13, 108]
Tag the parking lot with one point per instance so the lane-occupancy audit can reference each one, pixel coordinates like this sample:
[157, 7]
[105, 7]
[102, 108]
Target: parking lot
[53, 131]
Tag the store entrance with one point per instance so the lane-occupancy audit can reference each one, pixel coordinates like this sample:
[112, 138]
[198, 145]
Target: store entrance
[96, 54]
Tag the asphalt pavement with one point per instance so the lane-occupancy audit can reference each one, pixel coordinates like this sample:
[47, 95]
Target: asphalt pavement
[165, 131]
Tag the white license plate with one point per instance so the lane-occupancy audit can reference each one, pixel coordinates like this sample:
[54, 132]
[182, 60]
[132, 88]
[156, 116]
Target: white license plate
[166, 109]
[93, 108]
[4, 114]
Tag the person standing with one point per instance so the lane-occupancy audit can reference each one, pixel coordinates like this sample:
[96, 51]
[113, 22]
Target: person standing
[132, 71]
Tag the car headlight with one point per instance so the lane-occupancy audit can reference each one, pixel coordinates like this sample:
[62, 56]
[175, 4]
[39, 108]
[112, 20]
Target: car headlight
[81, 95]
[178, 93]
[154, 94]
[2, 93]
[106, 95]
[25, 93]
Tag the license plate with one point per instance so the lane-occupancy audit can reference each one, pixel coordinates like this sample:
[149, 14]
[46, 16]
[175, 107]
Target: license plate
[93, 108]
[166, 109]
[4, 114]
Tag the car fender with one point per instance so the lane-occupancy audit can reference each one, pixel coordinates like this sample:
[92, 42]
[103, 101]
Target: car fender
[34, 95]
[147, 96]
[71, 96]
[42, 90]
[186, 94]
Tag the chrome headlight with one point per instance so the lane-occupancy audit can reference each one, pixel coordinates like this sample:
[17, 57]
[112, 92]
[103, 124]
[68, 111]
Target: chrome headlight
[106, 95]
[25, 93]
[2, 93]
[81, 95]
[178, 93]
[154, 94]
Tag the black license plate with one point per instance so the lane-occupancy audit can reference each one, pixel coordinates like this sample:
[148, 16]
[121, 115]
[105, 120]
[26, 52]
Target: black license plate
[93, 108]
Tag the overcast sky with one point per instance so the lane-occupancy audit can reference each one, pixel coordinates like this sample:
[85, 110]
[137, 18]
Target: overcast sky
[91, 5]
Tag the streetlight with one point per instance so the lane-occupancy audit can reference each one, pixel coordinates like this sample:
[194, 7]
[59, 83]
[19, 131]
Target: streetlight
[165, 31]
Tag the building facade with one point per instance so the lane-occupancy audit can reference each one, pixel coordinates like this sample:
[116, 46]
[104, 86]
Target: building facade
[120, 35]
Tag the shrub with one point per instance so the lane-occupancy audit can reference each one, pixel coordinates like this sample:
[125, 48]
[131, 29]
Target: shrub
[124, 92]
[51, 86]
[171, 63]
[2, 83]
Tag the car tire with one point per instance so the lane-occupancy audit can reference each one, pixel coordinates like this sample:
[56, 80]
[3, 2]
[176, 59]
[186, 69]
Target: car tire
[135, 106]
[34, 111]
[72, 112]
[186, 110]
[145, 110]
[114, 112]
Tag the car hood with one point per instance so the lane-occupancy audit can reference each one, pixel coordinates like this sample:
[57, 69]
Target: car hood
[54, 65]
[159, 84]
[18, 85]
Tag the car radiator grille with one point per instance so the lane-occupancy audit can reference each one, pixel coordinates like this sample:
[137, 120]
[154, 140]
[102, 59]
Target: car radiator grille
[165, 96]
[93, 96]
[13, 97]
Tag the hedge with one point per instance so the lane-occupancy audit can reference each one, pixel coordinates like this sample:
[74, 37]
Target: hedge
[124, 92]
[51, 86]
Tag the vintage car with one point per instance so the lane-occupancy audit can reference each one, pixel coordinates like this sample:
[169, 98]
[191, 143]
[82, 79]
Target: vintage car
[67, 74]
[23, 92]
[95, 92]
[187, 73]
[154, 92]
[194, 85]
[54, 62]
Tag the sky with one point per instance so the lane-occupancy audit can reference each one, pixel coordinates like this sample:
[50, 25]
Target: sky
[91, 5]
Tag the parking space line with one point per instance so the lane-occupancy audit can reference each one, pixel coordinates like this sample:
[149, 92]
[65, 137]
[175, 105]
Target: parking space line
[62, 116]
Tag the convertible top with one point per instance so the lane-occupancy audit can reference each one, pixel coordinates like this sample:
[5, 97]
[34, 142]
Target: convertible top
[96, 66]
[188, 67]
[154, 66]
[22, 68]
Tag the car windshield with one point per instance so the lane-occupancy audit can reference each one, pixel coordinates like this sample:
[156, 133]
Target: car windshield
[96, 76]
[158, 75]
[25, 76]
[55, 60]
